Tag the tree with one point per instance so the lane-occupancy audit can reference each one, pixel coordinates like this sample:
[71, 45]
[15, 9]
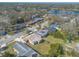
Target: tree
[58, 34]
[56, 50]
[70, 38]
[8, 54]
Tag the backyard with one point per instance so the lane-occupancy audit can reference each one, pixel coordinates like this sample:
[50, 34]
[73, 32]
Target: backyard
[44, 47]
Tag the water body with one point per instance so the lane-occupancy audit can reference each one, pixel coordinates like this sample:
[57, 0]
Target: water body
[62, 12]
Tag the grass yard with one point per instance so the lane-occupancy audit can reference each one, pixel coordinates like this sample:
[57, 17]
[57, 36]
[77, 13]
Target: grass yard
[51, 39]
[10, 48]
[43, 48]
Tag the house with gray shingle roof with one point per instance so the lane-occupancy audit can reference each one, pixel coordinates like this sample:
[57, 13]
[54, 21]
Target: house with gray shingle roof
[42, 32]
[35, 20]
[22, 49]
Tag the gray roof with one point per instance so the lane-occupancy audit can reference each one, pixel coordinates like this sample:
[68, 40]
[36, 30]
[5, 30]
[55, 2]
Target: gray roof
[42, 32]
[23, 49]
[37, 19]
[10, 38]
[2, 42]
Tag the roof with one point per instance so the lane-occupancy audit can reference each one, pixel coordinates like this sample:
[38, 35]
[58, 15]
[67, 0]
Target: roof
[10, 38]
[2, 42]
[37, 19]
[23, 49]
[2, 32]
[42, 32]
[19, 26]
[33, 16]
[34, 37]
[53, 27]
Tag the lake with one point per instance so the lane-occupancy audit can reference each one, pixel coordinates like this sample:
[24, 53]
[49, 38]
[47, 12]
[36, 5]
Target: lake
[56, 12]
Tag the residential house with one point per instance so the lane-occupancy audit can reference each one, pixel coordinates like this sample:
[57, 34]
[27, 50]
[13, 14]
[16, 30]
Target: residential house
[22, 50]
[11, 38]
[32, 38]
[52, 27]
[34, 16]
[36, 20]
[42, 32]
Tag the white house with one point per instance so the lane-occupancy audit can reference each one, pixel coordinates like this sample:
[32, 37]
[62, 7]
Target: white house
[33, 38]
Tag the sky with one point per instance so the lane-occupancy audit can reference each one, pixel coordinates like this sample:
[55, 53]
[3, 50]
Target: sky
[39, 0]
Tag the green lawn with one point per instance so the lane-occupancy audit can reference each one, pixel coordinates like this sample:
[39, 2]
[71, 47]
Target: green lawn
[43, 48]
[10, 48]
[51, 39]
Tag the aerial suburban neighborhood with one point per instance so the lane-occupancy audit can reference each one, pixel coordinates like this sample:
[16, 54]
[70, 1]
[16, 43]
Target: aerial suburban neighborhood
[39, 29]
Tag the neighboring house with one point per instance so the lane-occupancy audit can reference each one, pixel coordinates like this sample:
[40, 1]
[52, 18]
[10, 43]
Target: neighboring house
[34, 16]
[31, 29]
[20, 39]
[32, 38]
[42, 32]
[10, 38]
[2, 32]
[16, 28]
[2, 44]
[52, 27]
[22, 50]
[36, 20]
